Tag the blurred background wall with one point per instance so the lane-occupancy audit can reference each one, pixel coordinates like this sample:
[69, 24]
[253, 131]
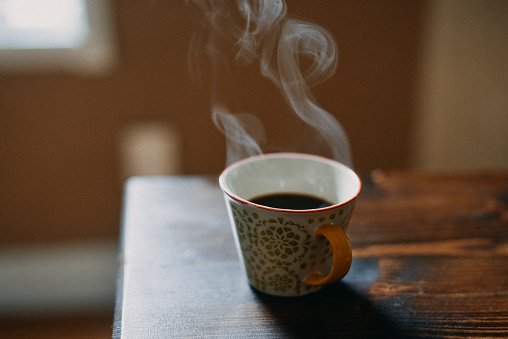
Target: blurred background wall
[419, 85]
[60, 132]
[461, 116]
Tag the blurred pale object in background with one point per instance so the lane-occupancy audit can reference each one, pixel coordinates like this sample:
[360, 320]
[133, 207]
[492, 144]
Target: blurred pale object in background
[34, 24]
[150, 148]
[49, 35]
[65, 278]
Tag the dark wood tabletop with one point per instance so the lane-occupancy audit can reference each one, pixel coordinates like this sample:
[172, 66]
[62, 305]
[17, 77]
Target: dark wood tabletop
[430, 259]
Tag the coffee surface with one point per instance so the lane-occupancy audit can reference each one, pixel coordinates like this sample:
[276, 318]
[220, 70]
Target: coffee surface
[291, 201]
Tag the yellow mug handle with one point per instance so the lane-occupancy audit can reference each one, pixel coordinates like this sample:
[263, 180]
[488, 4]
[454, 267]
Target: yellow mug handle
[341, 259]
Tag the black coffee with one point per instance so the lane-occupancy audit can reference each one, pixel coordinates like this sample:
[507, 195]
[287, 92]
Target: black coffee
[291, 201]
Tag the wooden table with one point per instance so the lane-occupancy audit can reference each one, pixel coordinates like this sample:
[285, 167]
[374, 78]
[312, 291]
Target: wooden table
[430, 260]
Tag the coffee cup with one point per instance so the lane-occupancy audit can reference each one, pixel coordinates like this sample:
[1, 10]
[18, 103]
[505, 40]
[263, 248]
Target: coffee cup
[289, 214]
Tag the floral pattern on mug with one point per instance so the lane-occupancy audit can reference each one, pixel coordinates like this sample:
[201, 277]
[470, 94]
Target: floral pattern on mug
[273, 247]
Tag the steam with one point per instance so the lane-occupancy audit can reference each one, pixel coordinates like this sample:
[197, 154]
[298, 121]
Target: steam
[243, 132]
[261, 32]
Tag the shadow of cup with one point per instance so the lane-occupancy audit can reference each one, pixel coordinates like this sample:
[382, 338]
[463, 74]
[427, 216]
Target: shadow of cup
[340, 310]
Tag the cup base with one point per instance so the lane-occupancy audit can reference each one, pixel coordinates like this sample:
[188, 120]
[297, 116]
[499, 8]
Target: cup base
[307, 290]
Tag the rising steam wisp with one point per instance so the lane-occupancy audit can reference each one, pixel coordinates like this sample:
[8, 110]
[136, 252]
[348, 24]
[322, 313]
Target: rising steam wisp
[266, 35]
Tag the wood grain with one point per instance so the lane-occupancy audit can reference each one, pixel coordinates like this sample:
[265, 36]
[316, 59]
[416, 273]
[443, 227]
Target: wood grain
[430, 261]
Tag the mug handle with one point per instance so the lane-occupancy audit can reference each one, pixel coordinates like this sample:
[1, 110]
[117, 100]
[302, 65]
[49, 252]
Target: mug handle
[342, 256]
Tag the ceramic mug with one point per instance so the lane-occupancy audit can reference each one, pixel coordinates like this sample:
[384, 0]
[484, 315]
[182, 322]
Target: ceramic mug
[288, 251]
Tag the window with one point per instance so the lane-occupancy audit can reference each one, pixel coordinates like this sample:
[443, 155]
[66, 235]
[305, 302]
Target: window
[52, 35]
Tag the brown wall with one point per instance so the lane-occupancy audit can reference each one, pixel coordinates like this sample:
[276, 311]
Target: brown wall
[59, 172]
